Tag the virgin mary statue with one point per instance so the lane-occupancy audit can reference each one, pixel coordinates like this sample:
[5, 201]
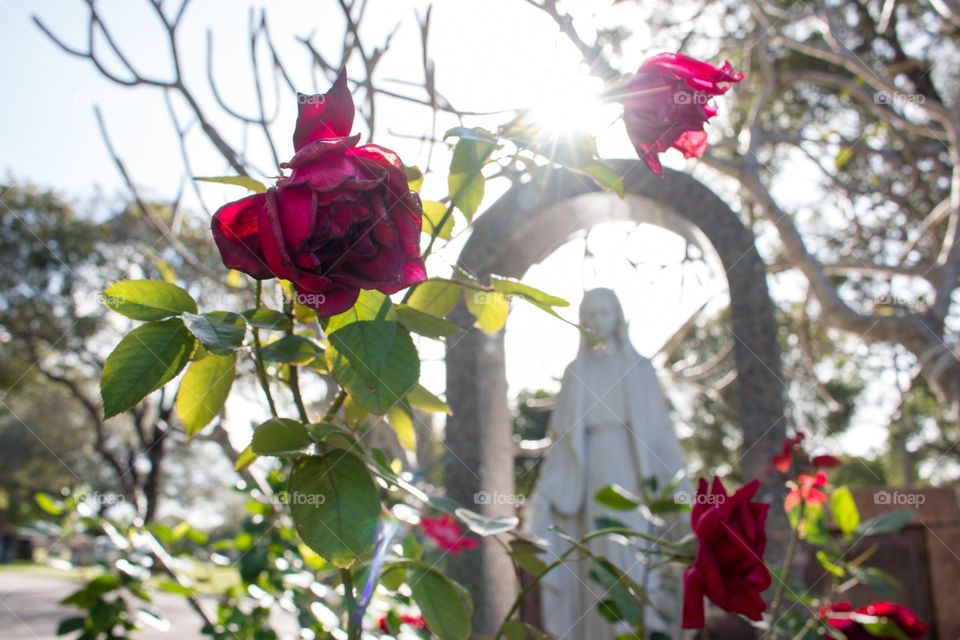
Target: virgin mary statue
[610, 425]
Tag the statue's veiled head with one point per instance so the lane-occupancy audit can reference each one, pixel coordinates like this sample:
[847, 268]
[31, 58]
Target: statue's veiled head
[600, 310]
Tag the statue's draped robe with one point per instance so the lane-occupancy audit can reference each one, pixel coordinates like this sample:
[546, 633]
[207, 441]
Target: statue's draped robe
[585, 458]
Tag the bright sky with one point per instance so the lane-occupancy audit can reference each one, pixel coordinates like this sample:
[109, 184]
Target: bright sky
[485, 61]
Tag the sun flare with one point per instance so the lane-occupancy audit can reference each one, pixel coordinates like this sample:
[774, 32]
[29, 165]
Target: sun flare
[569, 100]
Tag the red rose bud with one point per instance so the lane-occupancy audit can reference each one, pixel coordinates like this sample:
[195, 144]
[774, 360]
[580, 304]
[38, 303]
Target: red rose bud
[447, 533]
[345, 219]
[886, 620]
[667, 103]
[728, 568]
[826, 461]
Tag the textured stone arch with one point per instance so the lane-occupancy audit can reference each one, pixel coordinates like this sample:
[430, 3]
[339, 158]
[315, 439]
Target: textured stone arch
[522, 228]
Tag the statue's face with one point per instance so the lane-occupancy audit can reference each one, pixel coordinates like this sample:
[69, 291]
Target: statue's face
[600, 316]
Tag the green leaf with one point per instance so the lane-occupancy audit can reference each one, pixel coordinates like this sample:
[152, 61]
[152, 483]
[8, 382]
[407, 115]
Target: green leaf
[514, 287]
[441, 603]
[69, 625]
[375, 361]
[616, 497]
[433, 213]
[414, 177]
[221, 332]
[889, 522]
[422, 399]
[369, 306]
[402, 423]
[843, 158]
[844, 510]
[280, 436]
[148, 299]
[267, 319]
[465, 181]
[335, 506]
[477, 134]
[605, 177]
[436, 297]
[876, 579]
[490, 308]
[627, 595]
[527, 555]
[424, 323]
[146, 359]
[291, 349]
[204, 389]
[246, 458]
[485, 525]
[246, 182]
[828, 564]
[48, 503]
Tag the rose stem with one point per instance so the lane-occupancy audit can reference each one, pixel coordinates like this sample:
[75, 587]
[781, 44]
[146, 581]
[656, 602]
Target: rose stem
[258, 355]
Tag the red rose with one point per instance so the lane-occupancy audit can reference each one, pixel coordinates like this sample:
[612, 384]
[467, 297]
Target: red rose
[886, 619]
[345, 219]
[667, 103]
[728, 568]
[447, 533]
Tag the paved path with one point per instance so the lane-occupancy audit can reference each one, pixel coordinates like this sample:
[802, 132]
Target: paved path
[29, 609]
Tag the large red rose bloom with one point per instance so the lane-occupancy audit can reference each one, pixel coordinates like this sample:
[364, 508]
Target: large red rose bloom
[345, 219]
[728, 568]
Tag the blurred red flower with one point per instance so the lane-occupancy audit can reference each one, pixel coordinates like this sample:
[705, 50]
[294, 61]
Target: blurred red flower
[667, 103]
[888, 621]
[808, 489]
[447, 533]
[417, 622]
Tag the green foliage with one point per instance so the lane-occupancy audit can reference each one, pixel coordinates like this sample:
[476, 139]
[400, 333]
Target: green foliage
[220, 332]
[145, 360]
[375, 361]
[148, 299]
[240, 181]
[204, 389]
[335, 506]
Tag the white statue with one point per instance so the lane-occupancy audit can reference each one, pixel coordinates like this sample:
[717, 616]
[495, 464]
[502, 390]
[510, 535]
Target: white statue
[610, 426]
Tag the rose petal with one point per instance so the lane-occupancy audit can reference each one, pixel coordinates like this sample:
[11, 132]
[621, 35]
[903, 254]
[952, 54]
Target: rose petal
[236, 234]
[328, 115]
